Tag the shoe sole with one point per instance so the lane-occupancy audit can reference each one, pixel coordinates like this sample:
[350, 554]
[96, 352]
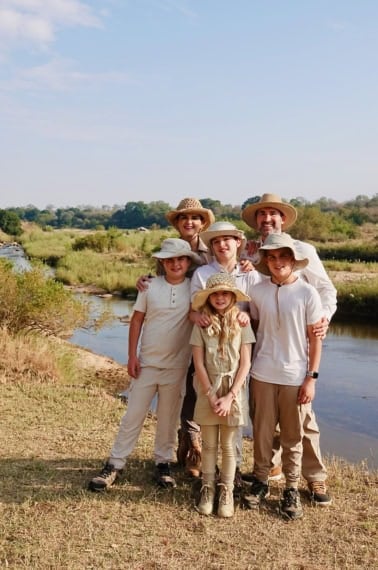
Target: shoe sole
[276, 477]
[293, 517]
[320, 503]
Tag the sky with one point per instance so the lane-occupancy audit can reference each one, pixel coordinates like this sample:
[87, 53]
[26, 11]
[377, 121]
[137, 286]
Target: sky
[111, 101]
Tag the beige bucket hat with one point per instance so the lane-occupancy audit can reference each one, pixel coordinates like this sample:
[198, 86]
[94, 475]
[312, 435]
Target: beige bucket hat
[176, 247]
[218, 282]
[191, 206]
[277, 241]
[223, 229]
[269, 201]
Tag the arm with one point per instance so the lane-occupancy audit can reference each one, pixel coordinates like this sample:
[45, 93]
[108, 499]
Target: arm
[136, 323]
[199, 319]
[143, 281]
[306, 392]
[222, 406]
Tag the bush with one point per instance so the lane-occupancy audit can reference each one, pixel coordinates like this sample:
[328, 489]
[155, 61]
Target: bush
[34, 302]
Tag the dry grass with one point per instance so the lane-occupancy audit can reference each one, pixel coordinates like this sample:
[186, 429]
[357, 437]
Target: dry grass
[54, 437]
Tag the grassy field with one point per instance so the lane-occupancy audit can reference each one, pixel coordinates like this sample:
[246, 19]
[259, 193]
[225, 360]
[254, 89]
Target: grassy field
[59, 417]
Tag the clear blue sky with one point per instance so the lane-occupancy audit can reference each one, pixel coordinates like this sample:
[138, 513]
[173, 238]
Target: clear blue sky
[111, 101]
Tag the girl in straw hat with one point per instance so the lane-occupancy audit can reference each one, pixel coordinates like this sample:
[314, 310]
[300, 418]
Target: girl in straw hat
[221, 354]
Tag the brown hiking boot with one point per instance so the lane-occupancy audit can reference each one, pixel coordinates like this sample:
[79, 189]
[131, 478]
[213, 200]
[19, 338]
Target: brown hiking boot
[193, 457]
[183, 447]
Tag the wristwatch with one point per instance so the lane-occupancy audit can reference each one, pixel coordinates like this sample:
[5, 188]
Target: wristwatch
[312, 374]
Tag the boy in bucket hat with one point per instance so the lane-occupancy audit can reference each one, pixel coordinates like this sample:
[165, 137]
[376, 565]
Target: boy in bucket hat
[271, 215]
[285, 367]
[159, 368]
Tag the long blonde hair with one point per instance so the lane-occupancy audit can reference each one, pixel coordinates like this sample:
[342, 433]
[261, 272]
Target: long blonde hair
[225, 326]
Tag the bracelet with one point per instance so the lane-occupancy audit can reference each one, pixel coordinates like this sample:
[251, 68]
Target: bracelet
[233, 394]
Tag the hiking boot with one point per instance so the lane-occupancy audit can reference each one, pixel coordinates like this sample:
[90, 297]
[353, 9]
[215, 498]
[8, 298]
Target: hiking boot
[105, 479]
[183, 447]
[258, 491]
[238, 482]
[226, 501]
[206, 502]
[318, 493]
[163, 477]
[193, 457]
[290, 504]
[275, 474]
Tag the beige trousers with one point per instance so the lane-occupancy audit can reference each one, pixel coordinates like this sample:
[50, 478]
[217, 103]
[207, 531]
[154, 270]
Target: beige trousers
[211, 435]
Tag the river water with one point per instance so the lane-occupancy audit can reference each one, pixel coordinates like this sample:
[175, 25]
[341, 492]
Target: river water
[347, 390]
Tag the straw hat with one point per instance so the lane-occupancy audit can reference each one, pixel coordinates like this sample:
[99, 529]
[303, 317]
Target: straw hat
[277, 241]
[176, 247]
[190, 206]
[218, 282]
[223, 229]
[269, 201]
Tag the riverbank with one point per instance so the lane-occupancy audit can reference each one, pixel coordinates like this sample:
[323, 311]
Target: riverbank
[56, 429]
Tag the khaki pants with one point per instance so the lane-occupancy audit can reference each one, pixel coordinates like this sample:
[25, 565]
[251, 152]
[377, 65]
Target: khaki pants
[169, 385]
[273, 404]
[210, 438]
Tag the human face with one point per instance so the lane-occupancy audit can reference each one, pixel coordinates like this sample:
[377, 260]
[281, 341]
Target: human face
[221, 300]
[280, 262]
[175, 268]
[189, 226]
[269, 221]
[225, 248]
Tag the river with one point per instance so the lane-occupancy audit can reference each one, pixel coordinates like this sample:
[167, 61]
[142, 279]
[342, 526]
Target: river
[347, 390]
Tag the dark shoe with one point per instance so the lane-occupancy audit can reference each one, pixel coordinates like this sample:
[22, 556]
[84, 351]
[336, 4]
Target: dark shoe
[183, 447]
[257, 492]
[290, 504]
[163, 476]
[105, 479]
[318, 493]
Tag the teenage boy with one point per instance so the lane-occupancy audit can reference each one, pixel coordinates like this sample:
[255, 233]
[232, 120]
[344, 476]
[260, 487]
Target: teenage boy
[285, 366]
[159, 368]
[270, 215]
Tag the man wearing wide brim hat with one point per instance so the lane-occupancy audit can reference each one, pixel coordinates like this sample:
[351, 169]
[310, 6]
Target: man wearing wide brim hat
[271, 215]
[270, 201]
[193, 207]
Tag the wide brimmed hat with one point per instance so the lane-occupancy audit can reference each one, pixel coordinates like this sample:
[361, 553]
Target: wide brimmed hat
[218, 282]
[176, 247]
[277, 241]
[269, 201]
[191, 206]
[223, 229]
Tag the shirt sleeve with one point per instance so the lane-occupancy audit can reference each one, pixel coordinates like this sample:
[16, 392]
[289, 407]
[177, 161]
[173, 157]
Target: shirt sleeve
[196, 336]
[247, 335]
[316, 275]
[141, 302]
[314, 309]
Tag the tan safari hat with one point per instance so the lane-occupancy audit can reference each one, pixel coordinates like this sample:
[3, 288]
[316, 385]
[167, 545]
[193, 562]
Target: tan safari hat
[277, 241]
[223, 229]
[218, 282]
[176, 247]
[269, 201]
[191, 206]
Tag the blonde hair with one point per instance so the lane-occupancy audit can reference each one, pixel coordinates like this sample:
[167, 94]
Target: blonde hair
[225, 326]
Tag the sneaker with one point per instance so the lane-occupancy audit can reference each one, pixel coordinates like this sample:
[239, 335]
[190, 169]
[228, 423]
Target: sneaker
[226, 501]
[163, 476]
[275, 474]
[258, 491]
[206, 502]
[318, 493]
[105, 479]
[290, 504]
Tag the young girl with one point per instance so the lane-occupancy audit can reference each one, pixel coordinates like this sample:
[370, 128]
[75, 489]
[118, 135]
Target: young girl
[222, 358]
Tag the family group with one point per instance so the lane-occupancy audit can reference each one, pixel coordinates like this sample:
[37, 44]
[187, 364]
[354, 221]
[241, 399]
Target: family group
[229, 329]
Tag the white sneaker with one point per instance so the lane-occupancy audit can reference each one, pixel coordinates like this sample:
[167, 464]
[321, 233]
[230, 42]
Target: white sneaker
[206, 503]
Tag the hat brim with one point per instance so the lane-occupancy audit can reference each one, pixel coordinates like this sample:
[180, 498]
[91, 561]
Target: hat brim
[201, 297]
[207, 237]
[207, 215]
[262, 266]
[249, 213]
[183, 253]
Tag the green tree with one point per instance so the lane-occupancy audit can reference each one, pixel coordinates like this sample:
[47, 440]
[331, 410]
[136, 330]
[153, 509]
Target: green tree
[10, 223]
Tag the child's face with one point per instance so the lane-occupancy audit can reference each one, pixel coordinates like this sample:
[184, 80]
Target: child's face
[175, 268]
[189, 225]
[221, 300]
[225, 248]
[280, 262]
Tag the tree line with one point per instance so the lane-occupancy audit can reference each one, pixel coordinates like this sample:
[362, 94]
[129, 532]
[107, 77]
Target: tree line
[320, 220]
